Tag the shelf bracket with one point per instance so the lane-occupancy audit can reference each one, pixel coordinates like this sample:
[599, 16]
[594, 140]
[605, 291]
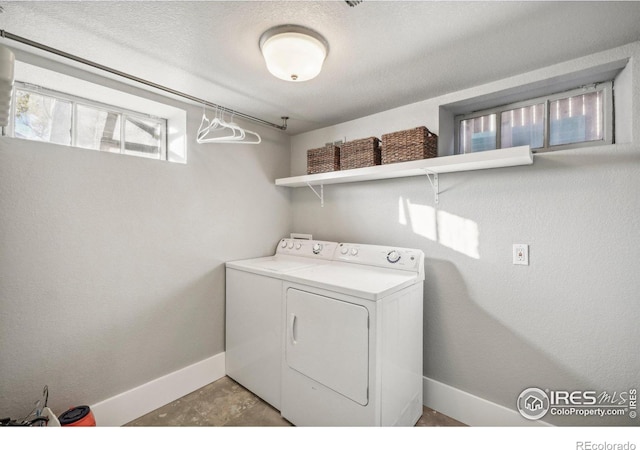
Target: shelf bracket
[434, 183]
[320, 195]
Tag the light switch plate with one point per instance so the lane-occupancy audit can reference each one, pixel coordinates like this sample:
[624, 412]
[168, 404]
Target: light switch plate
[521, 254]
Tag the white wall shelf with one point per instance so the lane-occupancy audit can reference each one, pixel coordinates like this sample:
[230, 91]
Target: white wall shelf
[492, 159]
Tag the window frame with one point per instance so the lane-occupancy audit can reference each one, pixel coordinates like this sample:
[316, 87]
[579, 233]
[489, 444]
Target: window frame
[76, 100]
[607, 120]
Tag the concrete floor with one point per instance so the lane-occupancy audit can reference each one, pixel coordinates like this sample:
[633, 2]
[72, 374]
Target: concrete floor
[226, 403]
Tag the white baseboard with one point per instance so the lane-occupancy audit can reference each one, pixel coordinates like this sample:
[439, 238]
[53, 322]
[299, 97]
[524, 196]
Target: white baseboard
[470, 409]
[130, 405]
[127, 406]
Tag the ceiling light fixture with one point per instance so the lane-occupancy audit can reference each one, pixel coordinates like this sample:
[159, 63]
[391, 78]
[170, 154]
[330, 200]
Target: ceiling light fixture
[293, 52]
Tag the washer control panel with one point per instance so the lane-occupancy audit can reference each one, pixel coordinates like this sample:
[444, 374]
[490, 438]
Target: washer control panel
[307, 248]
[381, 256]
[372, 255]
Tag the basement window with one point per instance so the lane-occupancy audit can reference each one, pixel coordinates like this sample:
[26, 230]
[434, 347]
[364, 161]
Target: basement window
[579, 117]
[45, 115]
[80, 109]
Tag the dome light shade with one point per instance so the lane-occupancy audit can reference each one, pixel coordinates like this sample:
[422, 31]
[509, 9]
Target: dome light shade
[293, 53]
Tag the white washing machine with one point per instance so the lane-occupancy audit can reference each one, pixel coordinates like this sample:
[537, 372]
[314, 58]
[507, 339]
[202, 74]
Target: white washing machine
[352, 353]
[254, 313]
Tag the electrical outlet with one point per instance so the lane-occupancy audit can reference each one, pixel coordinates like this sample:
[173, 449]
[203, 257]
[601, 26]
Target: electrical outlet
[521, 254]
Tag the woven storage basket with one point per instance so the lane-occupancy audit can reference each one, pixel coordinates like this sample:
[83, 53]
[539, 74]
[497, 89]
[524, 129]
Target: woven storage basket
[408, 145]
[324, 159]
[360, 153]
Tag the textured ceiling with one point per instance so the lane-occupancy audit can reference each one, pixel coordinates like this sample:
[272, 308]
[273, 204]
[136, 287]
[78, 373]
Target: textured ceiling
[382, 54]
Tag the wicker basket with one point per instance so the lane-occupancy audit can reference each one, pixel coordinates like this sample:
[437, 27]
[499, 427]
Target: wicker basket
[360, 153]
[324, 159]
[408, 145]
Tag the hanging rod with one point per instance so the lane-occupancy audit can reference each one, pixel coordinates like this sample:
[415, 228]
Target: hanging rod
[46, 48]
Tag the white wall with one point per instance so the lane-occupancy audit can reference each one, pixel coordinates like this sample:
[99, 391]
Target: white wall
[567, 321]
[112, 267]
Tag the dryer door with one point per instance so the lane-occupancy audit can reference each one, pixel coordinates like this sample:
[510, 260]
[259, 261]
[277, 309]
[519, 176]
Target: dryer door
[327, 340]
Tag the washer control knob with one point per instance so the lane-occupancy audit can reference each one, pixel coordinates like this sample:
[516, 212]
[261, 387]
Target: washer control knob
[344, 250]
[393, 256]
[283, 244]
[317, 248]
[290, 244]
[354, 251]
[298, 245]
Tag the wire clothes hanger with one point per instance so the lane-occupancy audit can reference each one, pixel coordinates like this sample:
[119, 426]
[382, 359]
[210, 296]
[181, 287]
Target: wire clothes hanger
[218, 131]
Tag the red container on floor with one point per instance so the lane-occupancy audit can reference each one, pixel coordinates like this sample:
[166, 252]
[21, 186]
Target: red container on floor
[80, 416]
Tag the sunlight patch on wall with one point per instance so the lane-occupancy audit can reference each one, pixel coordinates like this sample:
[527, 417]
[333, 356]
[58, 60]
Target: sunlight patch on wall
[450, 230]
[402, 215]
[421, 217]
[458, 233]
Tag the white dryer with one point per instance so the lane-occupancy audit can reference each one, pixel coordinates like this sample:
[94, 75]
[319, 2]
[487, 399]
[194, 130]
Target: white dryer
[352, 354]
[254, 313]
